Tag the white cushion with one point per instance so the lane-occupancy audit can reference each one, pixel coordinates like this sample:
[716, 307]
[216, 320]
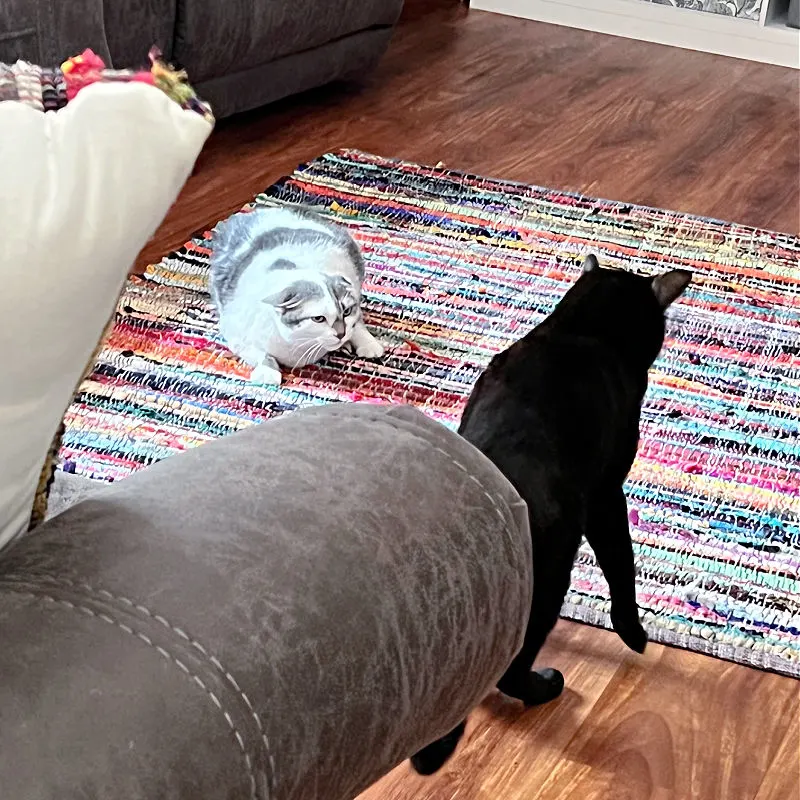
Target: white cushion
[81, 192]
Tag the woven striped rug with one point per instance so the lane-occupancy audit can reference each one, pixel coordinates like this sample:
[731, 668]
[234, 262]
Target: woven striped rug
[460, 266]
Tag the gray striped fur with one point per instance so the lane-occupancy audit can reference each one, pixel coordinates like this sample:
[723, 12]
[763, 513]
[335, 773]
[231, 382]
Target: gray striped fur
[240, 238]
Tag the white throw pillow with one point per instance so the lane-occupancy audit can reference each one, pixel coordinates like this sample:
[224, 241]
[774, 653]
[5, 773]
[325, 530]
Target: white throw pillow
[81, 192]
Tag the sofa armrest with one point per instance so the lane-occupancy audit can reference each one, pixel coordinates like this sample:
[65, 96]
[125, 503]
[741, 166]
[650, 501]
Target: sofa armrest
[284, 614]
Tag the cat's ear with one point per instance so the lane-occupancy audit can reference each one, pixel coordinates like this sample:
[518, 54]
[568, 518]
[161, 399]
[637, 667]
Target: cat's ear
[284, 300]
[670, 286]
[340, 286]
[233, 234]
[590, 263]
[339, 281]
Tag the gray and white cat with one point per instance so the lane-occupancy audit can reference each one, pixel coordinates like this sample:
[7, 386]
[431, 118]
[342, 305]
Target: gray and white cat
[287, 286]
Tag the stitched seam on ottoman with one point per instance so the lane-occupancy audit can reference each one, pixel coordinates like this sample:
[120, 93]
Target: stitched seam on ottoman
[476, 480]
[101, 594]
[77, 607]
[212, 659]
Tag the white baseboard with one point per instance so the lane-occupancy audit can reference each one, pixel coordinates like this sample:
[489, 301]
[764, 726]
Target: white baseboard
[652, 22]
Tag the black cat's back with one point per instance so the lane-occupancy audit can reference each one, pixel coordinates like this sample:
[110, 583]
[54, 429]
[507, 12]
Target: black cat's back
[556, 400]
[568, 394]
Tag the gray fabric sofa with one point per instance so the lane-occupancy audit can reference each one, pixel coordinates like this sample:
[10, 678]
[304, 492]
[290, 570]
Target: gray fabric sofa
[284, 614]
[240, 54]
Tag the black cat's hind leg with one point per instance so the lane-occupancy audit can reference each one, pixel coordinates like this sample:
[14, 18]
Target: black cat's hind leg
[609, 536]
[550, 586]
[431, 758]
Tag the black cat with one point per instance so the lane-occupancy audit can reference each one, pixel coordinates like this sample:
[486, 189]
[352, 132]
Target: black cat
[558, 414]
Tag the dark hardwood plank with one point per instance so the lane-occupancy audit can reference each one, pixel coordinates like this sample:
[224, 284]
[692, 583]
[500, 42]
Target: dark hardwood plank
[678, 725]
[669, 725]
[610, 117]
[782, 781]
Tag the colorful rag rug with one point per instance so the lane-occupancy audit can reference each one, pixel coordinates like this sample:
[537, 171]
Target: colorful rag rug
[459, 267]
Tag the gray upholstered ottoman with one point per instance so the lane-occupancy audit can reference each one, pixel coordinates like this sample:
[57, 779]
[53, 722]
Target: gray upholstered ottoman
[284, 614]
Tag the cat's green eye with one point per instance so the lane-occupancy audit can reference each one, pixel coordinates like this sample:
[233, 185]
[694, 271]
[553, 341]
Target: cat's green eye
[318, 319]
[347, 312]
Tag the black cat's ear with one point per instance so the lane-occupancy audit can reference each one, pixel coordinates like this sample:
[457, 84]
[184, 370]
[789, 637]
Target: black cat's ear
[670, 286]
[590, 263]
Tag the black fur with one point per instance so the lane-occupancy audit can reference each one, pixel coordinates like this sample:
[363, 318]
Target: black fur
[558, 413]
[431, 758]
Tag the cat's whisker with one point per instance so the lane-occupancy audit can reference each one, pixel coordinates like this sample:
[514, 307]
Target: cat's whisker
[310, 354]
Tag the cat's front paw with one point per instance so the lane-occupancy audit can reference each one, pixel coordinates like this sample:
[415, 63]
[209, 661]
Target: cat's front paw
[266, 375]
[631, 632]
[370, 349]
[364, 343]
[533, 688]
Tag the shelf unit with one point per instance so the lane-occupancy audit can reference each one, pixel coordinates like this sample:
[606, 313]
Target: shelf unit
[769, 39]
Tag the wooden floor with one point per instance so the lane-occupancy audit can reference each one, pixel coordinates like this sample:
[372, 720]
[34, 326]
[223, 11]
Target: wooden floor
[536, 103]
[619, 119]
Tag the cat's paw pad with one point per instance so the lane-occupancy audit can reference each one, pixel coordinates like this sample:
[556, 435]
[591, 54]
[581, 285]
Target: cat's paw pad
[631, 632]
[268, 376]
[371, 348]
[534, 688]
